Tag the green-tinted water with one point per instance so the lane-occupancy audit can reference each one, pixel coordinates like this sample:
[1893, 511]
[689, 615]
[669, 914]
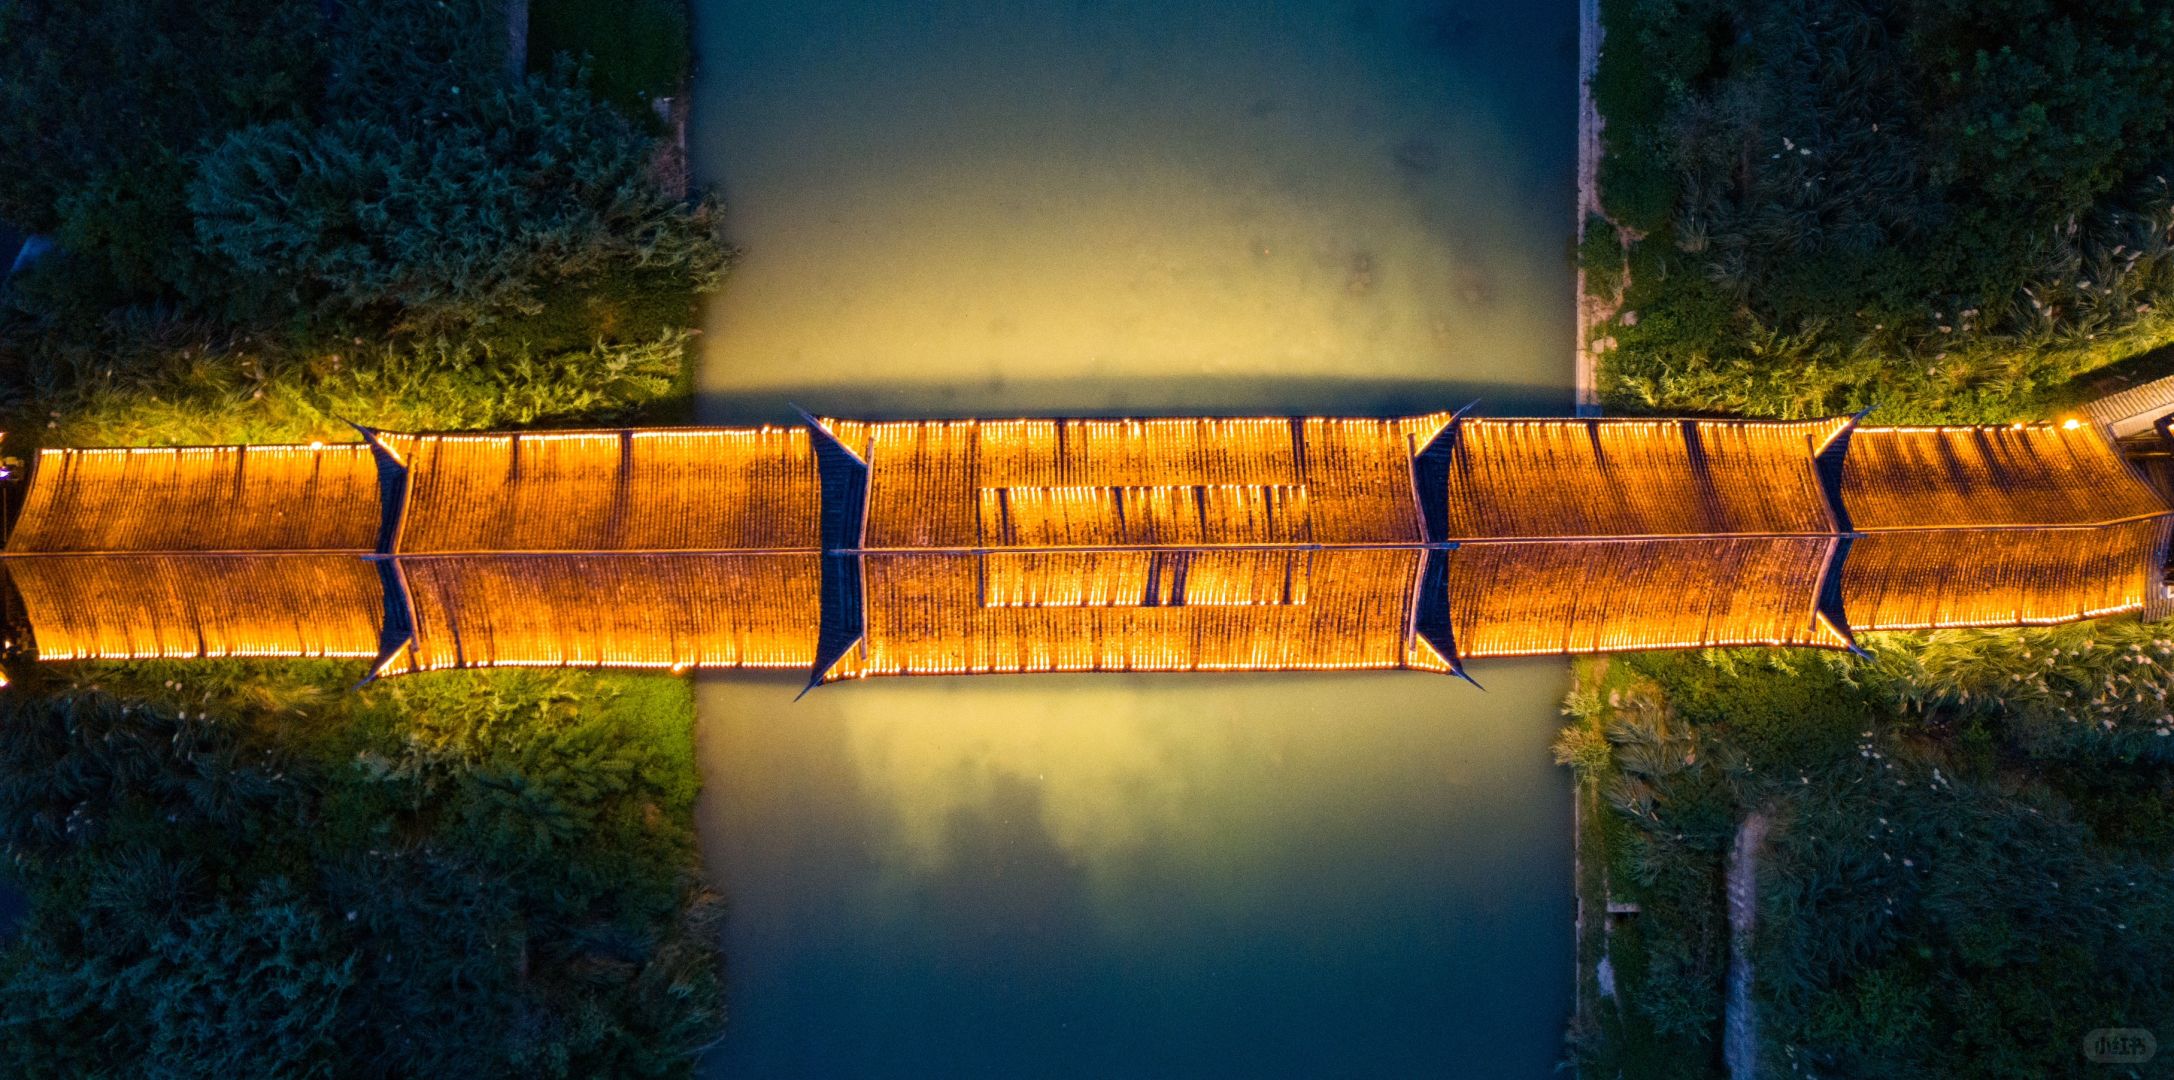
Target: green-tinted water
[1113, 206]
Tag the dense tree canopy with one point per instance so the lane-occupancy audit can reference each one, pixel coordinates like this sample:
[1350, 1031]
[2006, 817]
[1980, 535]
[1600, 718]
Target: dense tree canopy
[1860, 201]
[463, 212]
[371, 167]
[276, 216]
[486, 895]
[1968, 863]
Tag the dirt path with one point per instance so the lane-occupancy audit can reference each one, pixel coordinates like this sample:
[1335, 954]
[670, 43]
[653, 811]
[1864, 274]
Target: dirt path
[1740, 1035]
[1592, 311]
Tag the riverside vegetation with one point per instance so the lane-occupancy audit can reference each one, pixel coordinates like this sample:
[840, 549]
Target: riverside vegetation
[1937, 208]
[274, 218]
[1944, 212]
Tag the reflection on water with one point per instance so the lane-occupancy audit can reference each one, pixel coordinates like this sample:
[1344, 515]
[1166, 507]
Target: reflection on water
[1121, 876]
[1090, 205]
[1146, 206]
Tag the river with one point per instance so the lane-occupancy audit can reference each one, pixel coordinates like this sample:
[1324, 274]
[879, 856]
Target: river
[1103, 207]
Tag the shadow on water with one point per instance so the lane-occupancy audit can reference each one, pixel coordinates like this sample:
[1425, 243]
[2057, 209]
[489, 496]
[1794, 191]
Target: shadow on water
[1199, 396]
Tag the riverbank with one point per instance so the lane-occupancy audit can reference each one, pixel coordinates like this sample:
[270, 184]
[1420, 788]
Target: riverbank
[2045, 736]
[458, 873]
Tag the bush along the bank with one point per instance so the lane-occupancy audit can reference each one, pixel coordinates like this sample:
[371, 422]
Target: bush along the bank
[1944, 210]
[459, 209]
[276, 218]
[1971, 858]
[243, 875]
[399, 184]
[158, 385]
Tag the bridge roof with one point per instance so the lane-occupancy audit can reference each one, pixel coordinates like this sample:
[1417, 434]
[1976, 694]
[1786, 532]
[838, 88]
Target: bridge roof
[200, 498]
[2043, 523]
[613, 610]
[1564, 479]
[1542, 598]
[1960, 477]
[183, 552]
[187, 606]
[1933, 578]
[671, 489]
[1210, 610]
[982, 484]
[1079, 545]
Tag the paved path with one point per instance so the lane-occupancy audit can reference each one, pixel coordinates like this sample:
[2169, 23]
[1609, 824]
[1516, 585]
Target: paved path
[1740, 1035]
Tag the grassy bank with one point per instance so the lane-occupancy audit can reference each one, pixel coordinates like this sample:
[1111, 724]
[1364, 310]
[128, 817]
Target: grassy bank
[251, 867]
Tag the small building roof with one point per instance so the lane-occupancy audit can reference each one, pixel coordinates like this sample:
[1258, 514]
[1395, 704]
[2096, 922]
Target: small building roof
[2133, 411]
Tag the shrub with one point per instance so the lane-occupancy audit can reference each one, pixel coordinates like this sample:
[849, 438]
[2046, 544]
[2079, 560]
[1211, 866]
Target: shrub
[1941, 209]
[96, 89]
[637, 48]
[216, 897]
[462, 218]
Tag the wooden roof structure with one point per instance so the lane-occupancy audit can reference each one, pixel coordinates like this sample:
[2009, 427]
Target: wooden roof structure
[1592, 535]
[853, 549]
[1997, 526]
[1128, 545]
[185, 552]
[673, 548]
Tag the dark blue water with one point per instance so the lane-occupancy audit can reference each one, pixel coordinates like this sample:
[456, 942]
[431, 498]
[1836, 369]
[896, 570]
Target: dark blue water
[1113, 206]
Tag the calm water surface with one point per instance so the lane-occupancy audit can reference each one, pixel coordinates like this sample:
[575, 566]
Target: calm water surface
[1107, 206]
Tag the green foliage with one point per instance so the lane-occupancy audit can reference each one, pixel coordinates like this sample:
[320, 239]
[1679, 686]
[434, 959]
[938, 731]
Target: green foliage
[1891, 876]
[1777, 709]
[459, 216]
[1581, 748]
[1600, 256]
[1650, 52]
[2093, 690]
[636, 48]
[1944, 210]
[1968, 867]
[244, 868]
[98, 91]
[381, 173]
[151, 383]
[305, 883]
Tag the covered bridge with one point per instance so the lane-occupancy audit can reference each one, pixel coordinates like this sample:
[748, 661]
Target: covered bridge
[851, 549]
